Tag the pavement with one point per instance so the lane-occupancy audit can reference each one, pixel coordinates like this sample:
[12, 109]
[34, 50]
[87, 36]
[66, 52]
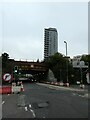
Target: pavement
[70, 87]
[74, 88]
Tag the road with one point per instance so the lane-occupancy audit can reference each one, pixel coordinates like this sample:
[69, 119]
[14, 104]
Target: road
[44, 101]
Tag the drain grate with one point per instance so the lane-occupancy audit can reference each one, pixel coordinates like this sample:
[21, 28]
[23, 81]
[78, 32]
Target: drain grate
[41, 105]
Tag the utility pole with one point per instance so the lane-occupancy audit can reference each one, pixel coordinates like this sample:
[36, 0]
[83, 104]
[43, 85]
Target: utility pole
[60, 75]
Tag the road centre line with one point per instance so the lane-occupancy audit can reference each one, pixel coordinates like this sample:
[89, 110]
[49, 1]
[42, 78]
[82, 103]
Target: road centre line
[81, 95]
[26, 109]
[33, 112]
[3, 102]
[30, 106]
[74, 93]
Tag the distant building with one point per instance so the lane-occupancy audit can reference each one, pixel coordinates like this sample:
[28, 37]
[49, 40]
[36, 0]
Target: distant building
[50, 42]
[77, 63]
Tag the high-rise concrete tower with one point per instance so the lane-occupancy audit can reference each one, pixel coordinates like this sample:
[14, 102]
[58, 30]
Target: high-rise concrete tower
[50, 42]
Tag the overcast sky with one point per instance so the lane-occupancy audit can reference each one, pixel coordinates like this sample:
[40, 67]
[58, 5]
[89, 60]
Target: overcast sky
[22, 31]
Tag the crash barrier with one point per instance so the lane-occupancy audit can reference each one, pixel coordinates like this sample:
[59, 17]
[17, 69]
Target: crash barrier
[5, 90]
[15, 88]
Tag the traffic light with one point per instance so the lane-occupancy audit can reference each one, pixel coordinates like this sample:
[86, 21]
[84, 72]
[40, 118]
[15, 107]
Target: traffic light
[15, 73]
[16, 69]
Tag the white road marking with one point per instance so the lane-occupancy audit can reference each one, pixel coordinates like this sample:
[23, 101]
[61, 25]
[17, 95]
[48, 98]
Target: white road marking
[30, 106]
[8, 94]
[74, 94]
[86, 95]
[3, 102]
[26, 109]
[33, 112]
[81, 95]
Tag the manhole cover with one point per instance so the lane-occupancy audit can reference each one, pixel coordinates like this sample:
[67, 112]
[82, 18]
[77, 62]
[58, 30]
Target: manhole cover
[42, 105]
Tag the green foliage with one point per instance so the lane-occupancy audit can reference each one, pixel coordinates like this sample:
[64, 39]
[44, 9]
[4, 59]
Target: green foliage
[58, 64]
[5, 58]
[6, 65]
[85, 58]
[55, 60]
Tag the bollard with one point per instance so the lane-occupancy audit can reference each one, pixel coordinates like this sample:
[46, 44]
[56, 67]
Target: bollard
[67, 84]
[82, 86]
[22, 88]
[61, 84]
[56, 83]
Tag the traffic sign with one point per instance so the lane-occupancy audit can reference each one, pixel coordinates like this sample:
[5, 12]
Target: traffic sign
[7, 77]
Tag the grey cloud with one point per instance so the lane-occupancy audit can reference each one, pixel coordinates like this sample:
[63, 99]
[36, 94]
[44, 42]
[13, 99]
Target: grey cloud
[24, 27]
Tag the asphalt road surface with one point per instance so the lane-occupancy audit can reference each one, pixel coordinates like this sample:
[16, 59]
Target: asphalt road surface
[39, 101]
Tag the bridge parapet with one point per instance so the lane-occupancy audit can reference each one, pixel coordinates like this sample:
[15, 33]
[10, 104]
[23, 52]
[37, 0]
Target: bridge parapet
[31, 66]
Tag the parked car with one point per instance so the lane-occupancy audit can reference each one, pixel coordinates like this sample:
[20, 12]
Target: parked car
[32, 79]
[78, 82]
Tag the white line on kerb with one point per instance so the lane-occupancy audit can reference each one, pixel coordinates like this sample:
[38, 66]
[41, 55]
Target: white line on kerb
[80, 95]
[3, 102]
[33, 112]
[74, 94]
[26, 109]
[43, 117]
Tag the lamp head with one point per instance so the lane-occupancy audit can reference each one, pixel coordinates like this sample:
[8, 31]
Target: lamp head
[65, 42]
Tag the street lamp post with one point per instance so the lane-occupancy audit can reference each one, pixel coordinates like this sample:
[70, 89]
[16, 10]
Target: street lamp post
[66, 60]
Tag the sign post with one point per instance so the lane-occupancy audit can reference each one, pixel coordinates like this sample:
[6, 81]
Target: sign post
[81, 83]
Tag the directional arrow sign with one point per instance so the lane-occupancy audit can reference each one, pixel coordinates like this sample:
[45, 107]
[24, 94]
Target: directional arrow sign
[7, 77]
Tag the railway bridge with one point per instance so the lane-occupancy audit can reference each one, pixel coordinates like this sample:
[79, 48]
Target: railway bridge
[38, 69]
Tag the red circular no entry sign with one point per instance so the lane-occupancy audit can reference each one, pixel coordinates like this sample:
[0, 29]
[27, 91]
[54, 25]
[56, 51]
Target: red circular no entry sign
[7, 77]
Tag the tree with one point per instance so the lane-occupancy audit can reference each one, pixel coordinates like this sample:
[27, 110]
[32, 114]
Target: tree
[38, 60]
[57, 63]
[86, 59]
[6, 65]
[5, 58]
